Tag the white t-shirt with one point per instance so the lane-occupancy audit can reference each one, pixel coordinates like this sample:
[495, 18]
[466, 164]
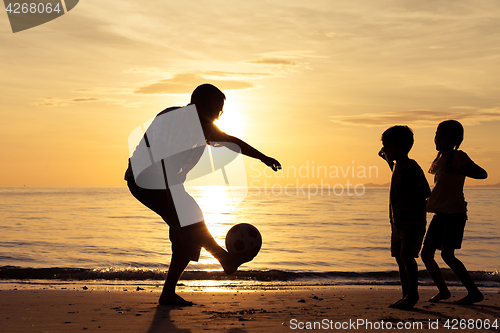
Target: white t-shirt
[447, 196]
[176, 143]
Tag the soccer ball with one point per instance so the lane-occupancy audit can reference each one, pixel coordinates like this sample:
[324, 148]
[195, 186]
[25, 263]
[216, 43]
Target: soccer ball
[243, 238]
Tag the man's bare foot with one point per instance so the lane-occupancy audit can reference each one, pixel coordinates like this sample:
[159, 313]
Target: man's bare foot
[471, 299]
[174, 300]
[442, 295]
[408, 302]
[233, 261]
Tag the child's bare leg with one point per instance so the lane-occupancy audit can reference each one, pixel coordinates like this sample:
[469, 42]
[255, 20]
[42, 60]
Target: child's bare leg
[403, 279]
[168, 295]
[460, 271]
[435, 273]
[411, 270]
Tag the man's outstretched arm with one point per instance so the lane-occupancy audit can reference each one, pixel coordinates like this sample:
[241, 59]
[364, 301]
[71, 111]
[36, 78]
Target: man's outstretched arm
[220, 137]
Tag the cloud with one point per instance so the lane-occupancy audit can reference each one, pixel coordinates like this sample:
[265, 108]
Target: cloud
[62, 102]
[333, 34]
[186, 82]
[418, 118]
[183, 83]
[147, 70]
[234, 74]
[274, 62]
[218, 74]
[283, 61]
[286, 61]
[105, 91]
[292, 54]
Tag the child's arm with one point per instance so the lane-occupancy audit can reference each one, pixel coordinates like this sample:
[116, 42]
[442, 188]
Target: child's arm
[420, 192]
[423, 190]
[381, 153]
[471, 170]
[218, 136]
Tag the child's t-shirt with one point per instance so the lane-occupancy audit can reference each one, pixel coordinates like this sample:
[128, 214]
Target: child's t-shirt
[447, 196]
[409, 190]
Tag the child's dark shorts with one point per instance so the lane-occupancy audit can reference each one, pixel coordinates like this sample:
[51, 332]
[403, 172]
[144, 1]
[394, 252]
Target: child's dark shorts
[186, 241]
[406, 238]
[446, 229]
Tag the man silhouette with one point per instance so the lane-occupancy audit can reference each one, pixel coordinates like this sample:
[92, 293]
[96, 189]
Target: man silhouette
[172, 145]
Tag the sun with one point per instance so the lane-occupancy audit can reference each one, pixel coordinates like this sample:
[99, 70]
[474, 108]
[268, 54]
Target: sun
[232, 121]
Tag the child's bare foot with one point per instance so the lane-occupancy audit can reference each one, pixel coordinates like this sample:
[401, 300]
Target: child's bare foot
[408, 302]
[471, 298]
[395, 304]
[174, 300]
[442, 295]
[233, 261]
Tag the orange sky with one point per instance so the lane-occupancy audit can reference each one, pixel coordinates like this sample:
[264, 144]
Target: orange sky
[309, 83]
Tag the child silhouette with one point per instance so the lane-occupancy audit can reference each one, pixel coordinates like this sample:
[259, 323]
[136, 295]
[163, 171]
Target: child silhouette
[409, 190]
[447, 201]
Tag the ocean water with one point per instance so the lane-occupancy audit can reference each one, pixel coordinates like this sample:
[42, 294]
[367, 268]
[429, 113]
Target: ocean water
[92, 233]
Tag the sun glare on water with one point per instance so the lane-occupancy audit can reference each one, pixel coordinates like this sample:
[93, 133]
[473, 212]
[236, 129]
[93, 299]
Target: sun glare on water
[214, 201]
[216, 204]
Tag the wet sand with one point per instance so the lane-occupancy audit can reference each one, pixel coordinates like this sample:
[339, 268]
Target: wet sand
[363, 309]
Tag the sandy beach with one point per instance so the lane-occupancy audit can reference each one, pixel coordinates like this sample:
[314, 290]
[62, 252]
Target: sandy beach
[330, 308]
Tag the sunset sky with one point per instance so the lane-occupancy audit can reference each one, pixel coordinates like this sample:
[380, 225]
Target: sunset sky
[310, 83]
